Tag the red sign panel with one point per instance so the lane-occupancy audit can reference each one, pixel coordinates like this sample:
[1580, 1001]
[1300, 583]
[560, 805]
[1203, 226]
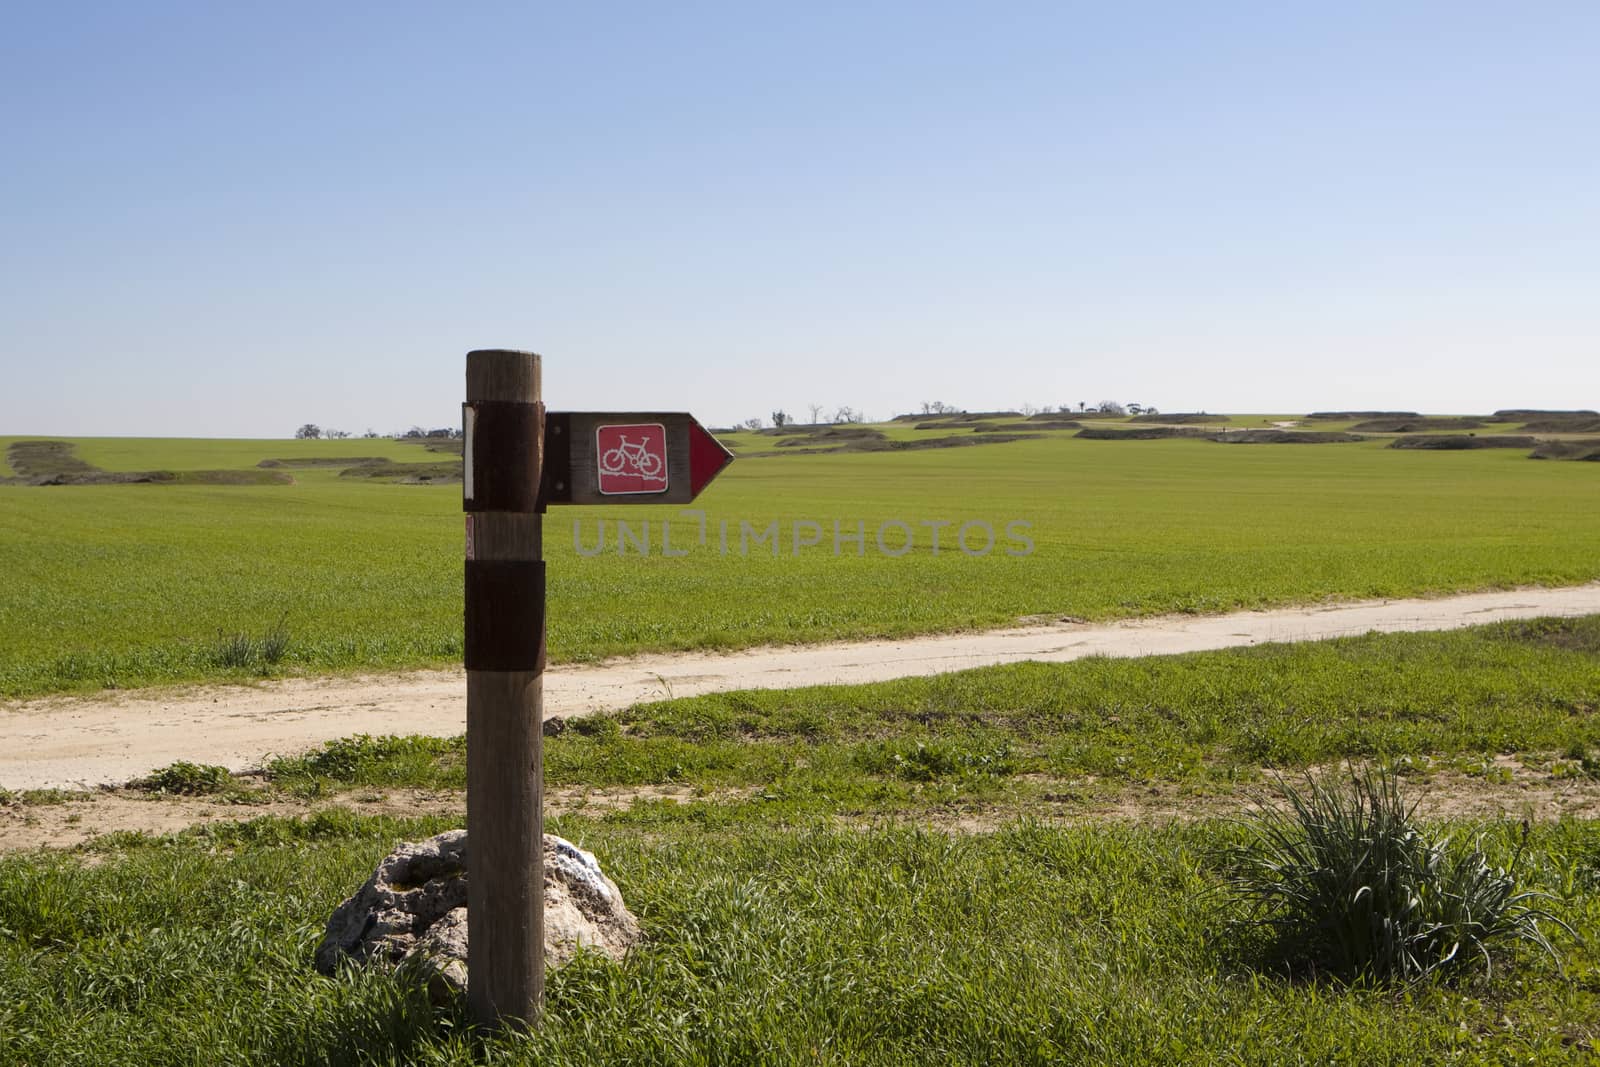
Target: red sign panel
[632, 458]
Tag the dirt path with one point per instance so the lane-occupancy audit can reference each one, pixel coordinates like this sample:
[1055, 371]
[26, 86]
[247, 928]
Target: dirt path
[1517, 790]
[83, 742]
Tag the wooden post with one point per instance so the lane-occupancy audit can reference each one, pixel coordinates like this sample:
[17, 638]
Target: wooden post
[503, 423]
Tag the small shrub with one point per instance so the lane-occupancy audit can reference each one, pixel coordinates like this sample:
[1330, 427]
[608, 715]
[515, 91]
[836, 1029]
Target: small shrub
[364, 759]
[603, 726]
[187, 779]
[1350, 885]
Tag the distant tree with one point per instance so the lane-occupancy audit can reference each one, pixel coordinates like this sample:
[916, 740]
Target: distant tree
[816, 413]
[336, 435]
[1111, 407]
[1082, 405]
[415, 431]
[750, 424]
[1134, 409]
[371, 433]
[309, 432]
[1151, 410]
[780, 418]
[846, 414]
[1029, 410]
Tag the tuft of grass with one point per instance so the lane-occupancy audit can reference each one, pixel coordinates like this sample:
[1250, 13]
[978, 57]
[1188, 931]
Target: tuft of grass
[364, 760]
[37, 797]
[1350, 885]
[275, 642]
[239, 650]
[183, 778]
[935, 758]
[235, 650]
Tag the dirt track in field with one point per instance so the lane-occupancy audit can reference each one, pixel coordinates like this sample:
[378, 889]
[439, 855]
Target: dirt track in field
[1518, 789]
[109, 739]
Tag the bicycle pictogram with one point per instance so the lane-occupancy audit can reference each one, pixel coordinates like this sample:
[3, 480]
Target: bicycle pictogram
[632, 459]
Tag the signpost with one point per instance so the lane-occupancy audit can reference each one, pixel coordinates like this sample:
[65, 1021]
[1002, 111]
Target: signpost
[517, 459]
[597, 457]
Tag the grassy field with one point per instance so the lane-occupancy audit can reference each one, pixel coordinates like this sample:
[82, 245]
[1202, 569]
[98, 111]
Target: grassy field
[808, 897]
[890, 946]
[126, 585]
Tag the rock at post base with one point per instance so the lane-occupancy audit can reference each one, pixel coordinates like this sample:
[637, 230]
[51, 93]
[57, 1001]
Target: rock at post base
[414, 910]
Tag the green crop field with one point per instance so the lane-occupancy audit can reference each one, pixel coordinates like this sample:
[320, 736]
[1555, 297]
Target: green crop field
[126, 585]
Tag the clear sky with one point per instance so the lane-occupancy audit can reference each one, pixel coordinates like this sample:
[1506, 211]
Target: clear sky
[230, 219]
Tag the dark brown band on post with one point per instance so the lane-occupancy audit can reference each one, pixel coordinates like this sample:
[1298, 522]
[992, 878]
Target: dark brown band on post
[505, 615]
[505, 441]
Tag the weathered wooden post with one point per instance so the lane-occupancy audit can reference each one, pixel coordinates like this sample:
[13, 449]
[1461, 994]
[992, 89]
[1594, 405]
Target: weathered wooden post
[515, 461]
[503, 450]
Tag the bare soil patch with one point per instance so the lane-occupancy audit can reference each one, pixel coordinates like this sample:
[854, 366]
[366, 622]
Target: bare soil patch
[411, 473]
[1563, 424]
[1417, 424]
[1582, 451]
[52, 463]
[86, 816]
[1521, 414]
[1457, 442]
[1508, 788]
[1139, 433]
[321, 461]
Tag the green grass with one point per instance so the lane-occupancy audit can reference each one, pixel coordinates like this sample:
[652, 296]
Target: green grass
[1001, 738]
[798, 909]
[182, 778]
[1350, 884]
[889, 946]
[129, 585]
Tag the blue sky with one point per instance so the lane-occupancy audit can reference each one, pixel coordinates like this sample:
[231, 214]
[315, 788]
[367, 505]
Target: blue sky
[228, 219]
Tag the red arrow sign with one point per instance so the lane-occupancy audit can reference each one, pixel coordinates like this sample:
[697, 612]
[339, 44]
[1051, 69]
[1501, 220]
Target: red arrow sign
[707, 457]
[601, 457]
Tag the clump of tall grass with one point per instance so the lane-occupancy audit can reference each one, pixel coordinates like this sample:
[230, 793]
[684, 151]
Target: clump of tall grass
[243, 650]
[275, 642]
[234, 650]
[1351, 885]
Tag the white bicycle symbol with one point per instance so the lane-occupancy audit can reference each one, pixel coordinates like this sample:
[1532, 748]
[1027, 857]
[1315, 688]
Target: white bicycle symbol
[632, 459]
